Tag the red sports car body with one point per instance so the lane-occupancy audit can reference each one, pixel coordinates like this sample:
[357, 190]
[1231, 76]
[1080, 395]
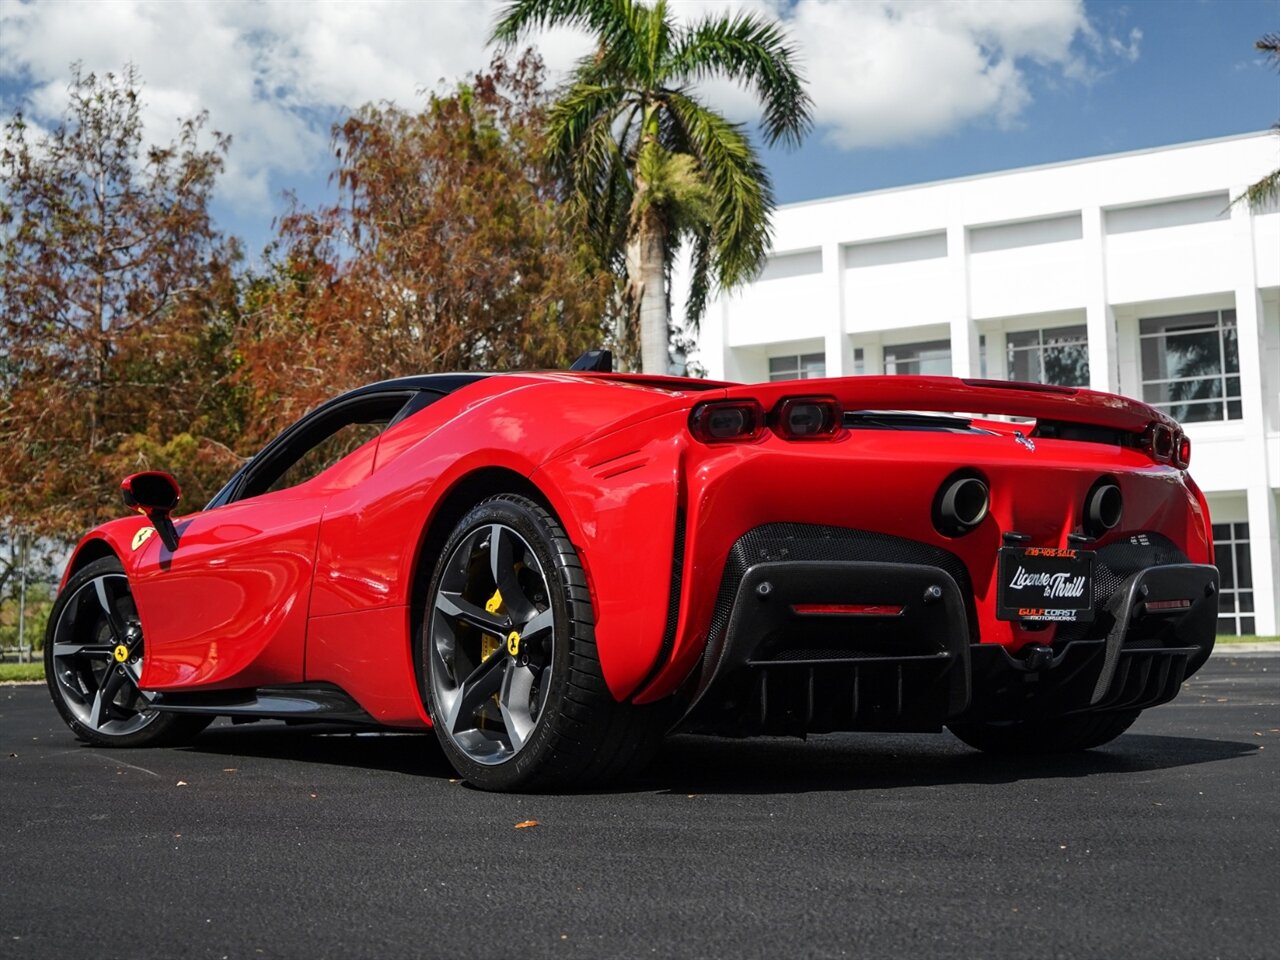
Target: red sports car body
[559, 567]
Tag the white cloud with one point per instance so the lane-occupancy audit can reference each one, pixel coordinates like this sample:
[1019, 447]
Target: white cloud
[893, 72]
[275, 74]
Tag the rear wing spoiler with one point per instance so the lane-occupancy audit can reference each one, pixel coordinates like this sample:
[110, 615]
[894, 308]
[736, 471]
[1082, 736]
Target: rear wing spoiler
[956, 396]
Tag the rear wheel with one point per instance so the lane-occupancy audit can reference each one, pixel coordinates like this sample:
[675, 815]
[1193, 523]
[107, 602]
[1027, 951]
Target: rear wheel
[508, 657]
[93, 656]
[1057, 735]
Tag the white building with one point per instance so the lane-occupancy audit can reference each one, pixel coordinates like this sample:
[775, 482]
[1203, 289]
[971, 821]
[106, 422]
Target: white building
[1131, 273]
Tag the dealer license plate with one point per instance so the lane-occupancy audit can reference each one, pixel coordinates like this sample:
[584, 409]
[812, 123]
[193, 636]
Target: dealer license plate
[1045, 583]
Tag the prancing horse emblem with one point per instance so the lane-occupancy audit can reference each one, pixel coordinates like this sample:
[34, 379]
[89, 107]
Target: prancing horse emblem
[1024, 440]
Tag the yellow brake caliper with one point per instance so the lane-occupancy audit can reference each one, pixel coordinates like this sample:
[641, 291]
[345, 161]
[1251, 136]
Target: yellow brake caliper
[490, 644]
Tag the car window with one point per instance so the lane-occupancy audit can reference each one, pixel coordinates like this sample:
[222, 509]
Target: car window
[326, 453]
[315, 444]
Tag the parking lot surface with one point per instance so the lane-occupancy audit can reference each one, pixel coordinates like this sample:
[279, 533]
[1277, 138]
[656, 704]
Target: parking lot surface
[267, 841]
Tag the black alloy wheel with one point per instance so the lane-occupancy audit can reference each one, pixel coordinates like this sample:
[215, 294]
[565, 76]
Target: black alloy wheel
[93, 656]
[508, 660]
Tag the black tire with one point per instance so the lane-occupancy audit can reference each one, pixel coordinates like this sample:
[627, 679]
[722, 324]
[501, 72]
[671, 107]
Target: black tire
[93, 617]
[1058, 735]
[536, 713]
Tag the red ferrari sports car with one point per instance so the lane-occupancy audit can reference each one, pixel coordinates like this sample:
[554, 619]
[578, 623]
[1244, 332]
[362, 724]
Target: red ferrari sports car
[554, 569]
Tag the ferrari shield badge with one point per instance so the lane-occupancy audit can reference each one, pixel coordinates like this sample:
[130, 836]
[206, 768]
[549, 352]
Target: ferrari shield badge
[142, 536]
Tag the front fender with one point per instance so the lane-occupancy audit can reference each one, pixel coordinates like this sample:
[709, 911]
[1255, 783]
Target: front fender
[124, 538]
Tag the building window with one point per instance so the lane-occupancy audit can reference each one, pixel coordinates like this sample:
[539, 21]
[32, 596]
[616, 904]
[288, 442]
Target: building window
[931, 359]
[859, 362]
[1235, 572]
[1059, 356]
[1191, 366]
[805, 366]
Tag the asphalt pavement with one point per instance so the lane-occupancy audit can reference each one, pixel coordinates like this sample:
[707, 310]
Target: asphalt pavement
[267, 841]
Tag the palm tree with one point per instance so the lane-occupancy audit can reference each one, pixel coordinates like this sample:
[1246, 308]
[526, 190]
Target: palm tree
[1266, 191]
[648, 165]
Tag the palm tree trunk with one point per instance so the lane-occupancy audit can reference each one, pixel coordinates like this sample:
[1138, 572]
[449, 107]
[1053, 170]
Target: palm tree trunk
[651, 294]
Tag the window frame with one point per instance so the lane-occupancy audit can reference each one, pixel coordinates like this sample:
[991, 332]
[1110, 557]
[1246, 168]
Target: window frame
[1040, 348]
[918, 346]
[1226, 400]
[1236, 544]
[799, 366]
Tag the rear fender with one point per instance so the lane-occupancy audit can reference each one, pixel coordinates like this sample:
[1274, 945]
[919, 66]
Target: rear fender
[620, 500]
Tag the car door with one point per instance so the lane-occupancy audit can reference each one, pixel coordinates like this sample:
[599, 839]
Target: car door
[228, 607]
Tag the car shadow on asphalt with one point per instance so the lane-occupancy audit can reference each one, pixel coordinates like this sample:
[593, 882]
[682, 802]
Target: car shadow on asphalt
[711, 765]
[705, 765]
[415, 754]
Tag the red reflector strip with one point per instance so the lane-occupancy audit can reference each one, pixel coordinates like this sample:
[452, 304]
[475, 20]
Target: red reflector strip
[845, 610]
[1168, 604]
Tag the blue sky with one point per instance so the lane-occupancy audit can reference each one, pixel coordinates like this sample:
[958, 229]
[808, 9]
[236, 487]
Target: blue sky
[905, 91]
[1196, 76]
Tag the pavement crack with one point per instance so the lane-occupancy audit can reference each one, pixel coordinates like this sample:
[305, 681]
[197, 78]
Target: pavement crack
[116, 762]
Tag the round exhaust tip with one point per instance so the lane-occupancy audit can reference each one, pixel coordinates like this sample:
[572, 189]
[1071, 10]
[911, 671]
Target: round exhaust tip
[962, 504]
[1102, 509]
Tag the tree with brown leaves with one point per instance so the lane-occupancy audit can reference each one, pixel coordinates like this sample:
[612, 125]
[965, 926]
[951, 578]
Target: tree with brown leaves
[113, 288]
[448, 250]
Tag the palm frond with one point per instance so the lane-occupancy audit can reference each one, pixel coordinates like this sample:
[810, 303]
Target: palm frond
[700, 281]
[605, 18]
[1263, 196]
[739, 183]
[753, 50]
[573, 115]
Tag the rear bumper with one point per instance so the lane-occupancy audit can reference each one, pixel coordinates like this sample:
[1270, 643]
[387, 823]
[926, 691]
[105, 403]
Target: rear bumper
[807, 640]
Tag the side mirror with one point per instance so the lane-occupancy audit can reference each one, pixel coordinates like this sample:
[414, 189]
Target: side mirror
[155, 495]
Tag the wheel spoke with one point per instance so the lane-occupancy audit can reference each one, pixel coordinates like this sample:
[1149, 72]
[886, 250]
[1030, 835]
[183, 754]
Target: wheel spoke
[536, 628]
[513, 700]
[452, 605]
[101, 711]
[114, 679]
[108, 610]
[480, 685]
[98, 711]
[81, 650]
[502, 565]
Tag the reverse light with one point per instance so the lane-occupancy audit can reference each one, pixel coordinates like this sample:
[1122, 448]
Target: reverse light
[727, 421]
[807, 418]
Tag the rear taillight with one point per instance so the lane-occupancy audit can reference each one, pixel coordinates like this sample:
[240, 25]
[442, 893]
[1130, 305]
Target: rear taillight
[1166, 444]
[1158, 442]
[1181, 451]
[727, 421]
[806, 418]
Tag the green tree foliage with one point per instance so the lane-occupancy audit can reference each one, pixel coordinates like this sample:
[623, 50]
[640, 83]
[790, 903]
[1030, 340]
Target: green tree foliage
[649, 165]
[447, 250]
[1266, 192]
[114, 286]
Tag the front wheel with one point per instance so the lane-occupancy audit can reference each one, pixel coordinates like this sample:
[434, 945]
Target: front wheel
[508, 658]
[93, 654]
[1057, 735]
